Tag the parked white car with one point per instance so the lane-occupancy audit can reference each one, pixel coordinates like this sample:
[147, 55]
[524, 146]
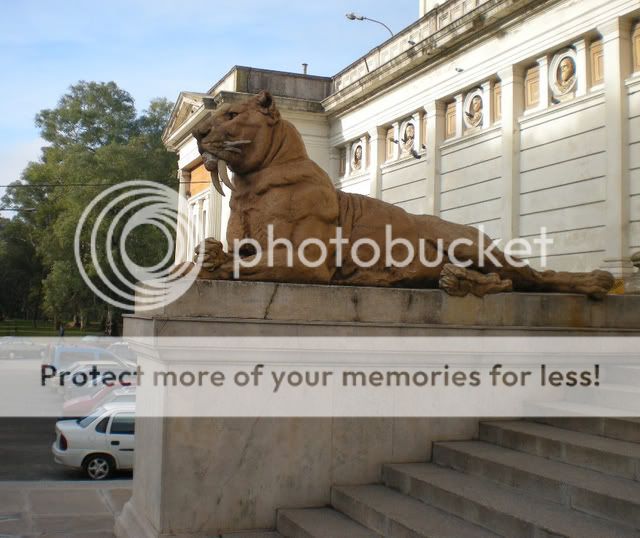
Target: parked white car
[100, 443]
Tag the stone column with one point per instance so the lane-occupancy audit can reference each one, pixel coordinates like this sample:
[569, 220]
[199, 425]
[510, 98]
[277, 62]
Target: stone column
[543, 81]
[396, 137]
[435, 118]
[365, 153]
[182, 231]
[334, 164]
[202, 226]
[417, 141]
[582, 69]
[512, 106]
[214, 214]
[617, 67]
[487, 111]
[347, 164]
[459, 115]
[377, 137]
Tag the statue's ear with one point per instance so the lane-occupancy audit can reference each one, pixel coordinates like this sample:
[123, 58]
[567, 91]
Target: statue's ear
[267, 105]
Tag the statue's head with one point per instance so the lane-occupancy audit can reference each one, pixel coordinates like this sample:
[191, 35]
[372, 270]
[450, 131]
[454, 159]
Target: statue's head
[410, 131]
[567, 69]
[238, 135]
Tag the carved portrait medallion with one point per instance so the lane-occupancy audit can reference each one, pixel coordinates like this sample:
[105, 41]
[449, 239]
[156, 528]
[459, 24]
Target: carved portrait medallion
[356, 160]
[563, 75]
[408, 137]
[473, 109]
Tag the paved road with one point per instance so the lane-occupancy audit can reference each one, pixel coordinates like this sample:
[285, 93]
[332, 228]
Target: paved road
[62, 509]
[25, 443]
[25, 451]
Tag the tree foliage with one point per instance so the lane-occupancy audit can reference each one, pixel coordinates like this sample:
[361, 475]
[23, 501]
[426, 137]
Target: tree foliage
[95, 140]
[91, 115]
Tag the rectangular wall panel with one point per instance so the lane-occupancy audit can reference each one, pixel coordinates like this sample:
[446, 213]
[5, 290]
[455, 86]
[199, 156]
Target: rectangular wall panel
[474, 213]
[558, 124]
[460, 156]
[581, 193]
[574, 147]
[570, 218]
[555, 175]
[488, 190]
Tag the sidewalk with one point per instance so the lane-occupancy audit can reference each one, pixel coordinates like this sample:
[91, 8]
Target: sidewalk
[61, 509]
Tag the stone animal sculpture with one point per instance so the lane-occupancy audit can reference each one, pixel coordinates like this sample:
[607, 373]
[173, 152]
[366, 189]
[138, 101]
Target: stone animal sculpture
[276, 183]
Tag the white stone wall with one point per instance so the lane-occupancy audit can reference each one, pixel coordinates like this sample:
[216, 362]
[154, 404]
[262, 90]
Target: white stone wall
[634, 164]
[314, 129]
[403, 184]
[552, 167]
[563, 181]
[470, 186]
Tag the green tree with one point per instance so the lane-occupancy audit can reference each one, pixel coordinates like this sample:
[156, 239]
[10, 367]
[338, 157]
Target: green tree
[20, 271]
[91, 115]
[95, 141]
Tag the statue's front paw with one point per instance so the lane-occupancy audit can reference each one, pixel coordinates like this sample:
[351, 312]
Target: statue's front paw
[596, 284]
[452, 281]
[209, 255]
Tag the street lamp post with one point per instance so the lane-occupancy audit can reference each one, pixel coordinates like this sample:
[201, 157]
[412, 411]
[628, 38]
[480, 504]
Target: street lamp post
[355, 17]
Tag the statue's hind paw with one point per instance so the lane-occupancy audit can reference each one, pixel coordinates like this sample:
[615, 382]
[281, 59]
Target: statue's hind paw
[595, 284]
[460, 281]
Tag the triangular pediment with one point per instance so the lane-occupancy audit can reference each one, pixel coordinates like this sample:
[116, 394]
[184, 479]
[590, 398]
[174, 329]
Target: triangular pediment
[188, 103]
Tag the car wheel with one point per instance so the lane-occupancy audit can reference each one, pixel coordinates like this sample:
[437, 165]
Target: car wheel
[98, 467]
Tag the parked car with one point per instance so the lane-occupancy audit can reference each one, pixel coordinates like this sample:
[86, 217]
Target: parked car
[100, 443]
[64, 356]
[122, 350]
[14, 347]
[115, 367]
[83, 406]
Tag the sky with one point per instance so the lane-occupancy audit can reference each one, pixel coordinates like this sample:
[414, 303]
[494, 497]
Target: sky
[157, 48]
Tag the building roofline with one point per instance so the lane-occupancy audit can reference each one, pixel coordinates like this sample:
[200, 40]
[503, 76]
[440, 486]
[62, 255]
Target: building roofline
[269, 71]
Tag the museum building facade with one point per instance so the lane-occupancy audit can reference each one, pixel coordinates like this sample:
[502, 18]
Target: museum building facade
[510, 115]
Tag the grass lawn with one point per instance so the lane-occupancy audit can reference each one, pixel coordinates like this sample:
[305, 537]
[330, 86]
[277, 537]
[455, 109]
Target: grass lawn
[22, 327]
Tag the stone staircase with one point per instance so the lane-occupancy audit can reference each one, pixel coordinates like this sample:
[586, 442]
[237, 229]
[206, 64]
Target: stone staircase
[568, 476]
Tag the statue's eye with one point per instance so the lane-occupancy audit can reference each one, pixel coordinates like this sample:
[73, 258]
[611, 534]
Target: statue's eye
[231, 115]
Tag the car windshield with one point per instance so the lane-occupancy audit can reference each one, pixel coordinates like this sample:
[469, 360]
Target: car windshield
[83, 423]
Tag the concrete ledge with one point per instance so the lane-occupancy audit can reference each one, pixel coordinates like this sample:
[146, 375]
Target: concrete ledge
[206, 476]
[393, 308]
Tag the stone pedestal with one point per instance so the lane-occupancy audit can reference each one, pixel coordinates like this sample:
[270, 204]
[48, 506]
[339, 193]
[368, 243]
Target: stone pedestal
[207, 476]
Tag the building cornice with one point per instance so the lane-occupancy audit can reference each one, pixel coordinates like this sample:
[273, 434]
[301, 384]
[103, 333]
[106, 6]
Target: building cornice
[473, 27]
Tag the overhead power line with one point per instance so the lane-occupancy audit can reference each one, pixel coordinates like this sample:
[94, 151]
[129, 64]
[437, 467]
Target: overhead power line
[46, 185]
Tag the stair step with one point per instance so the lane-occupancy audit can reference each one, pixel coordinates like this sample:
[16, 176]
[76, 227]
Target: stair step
[592, 492]
[390, 513]
[609, 395]
[604, 421]
[320, 523]
[619, 458]
[496, 507]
